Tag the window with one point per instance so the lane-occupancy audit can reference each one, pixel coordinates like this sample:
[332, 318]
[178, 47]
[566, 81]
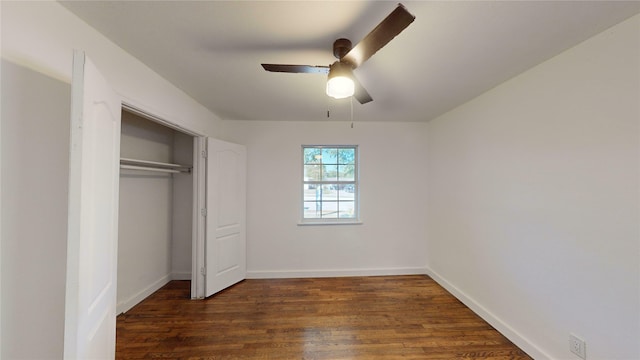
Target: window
[330, 184]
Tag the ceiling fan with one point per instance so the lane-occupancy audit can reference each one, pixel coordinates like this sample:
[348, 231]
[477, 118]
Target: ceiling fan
[341, 82]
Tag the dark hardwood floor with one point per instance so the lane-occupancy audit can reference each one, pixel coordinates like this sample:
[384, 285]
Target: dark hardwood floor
[386, 317]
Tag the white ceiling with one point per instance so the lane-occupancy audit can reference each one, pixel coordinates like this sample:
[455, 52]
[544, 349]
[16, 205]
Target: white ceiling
[454, 50]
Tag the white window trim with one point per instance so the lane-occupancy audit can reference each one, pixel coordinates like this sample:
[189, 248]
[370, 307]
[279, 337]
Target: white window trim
[330, 221]
[327, 222]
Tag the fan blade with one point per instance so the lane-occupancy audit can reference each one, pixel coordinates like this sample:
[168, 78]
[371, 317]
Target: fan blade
[309, 69]
[360, 93]
[389, 28]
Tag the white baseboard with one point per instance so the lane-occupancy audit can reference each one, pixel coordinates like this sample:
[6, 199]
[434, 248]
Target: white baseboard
[504, 328]
[132, 301]
[333, 273]
[181, 275]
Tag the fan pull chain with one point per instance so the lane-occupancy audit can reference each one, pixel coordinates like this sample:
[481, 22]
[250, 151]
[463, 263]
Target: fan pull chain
[328, 107]
[351, 102]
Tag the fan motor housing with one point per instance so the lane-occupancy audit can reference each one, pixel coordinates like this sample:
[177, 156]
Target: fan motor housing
[341, 47]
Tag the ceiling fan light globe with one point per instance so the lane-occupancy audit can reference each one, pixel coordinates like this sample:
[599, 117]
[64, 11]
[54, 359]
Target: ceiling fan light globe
[340, 87]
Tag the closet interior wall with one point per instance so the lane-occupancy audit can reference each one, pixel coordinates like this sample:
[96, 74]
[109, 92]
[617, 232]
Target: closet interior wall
[155, 213]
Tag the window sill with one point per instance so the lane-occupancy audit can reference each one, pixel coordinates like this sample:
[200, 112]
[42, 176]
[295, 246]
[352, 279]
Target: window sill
[314, 223]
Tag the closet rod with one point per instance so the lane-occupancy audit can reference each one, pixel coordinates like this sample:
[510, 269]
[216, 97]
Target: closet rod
[148, 168]
[135, 164]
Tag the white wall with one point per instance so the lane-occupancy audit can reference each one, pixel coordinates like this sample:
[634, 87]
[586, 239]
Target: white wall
[145, 228]
[0, 214]
[42, 35]
[391, 238]
[533, 201]
[39, 37]
[182, 207]
[35, 165]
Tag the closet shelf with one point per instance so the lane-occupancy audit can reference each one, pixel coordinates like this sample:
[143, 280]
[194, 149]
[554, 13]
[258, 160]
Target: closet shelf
[145, 165]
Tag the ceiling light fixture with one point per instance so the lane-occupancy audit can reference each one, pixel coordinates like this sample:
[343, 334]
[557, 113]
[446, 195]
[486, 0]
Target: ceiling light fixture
[340, 83]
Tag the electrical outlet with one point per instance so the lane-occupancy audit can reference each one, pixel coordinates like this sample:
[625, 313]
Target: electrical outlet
[578, 346]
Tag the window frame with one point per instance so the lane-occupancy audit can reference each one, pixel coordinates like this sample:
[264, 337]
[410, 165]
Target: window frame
[355, 183]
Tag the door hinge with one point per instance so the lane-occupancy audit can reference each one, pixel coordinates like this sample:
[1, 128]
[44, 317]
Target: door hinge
[203, 212]
[203, 271]
[204, 153]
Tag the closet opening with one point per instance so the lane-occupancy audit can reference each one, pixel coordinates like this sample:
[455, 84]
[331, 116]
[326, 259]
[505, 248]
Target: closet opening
[157, 197]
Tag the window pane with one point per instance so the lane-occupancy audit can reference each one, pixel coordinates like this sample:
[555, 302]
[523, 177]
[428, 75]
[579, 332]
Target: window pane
[346, 209]
[346, 172]
[329, 192]
[329, 156]
[312, 192]
[347, 192]
[312, 209]
[346, 156]
[312, 172]
[330, 172]
[312, 155]
[329, 209]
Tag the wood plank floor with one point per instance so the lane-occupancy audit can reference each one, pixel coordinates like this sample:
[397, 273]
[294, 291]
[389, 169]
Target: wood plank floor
[386, 317]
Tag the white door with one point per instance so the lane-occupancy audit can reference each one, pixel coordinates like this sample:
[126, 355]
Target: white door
[90, 304]
[225, 245]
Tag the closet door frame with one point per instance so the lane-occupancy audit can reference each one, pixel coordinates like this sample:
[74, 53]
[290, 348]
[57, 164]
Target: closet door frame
[199, 187]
